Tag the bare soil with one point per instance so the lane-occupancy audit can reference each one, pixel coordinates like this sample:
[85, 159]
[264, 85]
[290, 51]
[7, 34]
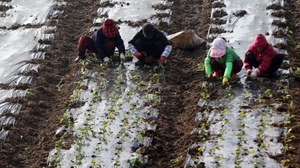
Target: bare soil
[33, 136]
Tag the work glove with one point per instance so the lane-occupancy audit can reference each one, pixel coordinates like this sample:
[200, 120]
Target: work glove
[208, 75]
[138, 54]
[225, 81]
[122, 57]
[254, 74]
[249, 71]
[162, 59]
[106, 59]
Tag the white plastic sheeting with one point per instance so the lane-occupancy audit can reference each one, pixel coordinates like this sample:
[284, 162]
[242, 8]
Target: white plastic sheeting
[16, 48]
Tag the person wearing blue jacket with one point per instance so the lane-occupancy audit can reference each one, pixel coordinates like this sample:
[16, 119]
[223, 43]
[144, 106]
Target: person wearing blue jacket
[103, 42]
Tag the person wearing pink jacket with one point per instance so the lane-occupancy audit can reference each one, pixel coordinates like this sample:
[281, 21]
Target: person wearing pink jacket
[263, 57]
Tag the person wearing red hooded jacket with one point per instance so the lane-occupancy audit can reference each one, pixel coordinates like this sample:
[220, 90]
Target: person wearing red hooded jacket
[103, 42]
[263, 57]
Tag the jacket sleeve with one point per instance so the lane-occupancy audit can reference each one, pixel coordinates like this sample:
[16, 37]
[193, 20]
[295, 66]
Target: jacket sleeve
[120, 44]
[99, 41]
[229, 62]
[267, 57]
[207, 65]
[228, 69]
[131, 43]
[265, 63]
[167, 51]
[246, 62]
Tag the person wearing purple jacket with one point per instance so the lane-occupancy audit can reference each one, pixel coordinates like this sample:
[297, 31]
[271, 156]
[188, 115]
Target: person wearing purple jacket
[263, 57]
[103, 42]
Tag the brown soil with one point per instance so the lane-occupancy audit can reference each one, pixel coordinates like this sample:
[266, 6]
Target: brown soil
[33, 136]
[240, 13]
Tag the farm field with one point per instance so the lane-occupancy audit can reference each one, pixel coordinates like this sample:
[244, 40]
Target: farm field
[154, 118]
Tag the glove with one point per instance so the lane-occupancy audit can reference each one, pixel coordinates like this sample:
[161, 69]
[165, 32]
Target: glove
[122, 57]
[162, 59]
[225, 81]
[208, 75]
[254, 74]
[106, 59]
[138, 54]
[249, 71]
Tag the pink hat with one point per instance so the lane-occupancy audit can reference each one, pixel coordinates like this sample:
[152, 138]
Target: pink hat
[218, 48]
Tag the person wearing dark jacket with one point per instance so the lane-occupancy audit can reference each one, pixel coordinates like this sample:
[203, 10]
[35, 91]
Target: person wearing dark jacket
[103, 42]
[263, 57]
[150, 45]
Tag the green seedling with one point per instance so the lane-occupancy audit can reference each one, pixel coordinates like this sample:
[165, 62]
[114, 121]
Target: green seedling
[60, 142]
[118, 104]
[103, 65]
[155, 75]
[136, 160]
[241, 124]
[288, 120]
[96, 96]
[286, 97]
[260, 99]
[242, 114]
[260, 135]
[244, 141]
[175, 160]
[78, 158]
[221, 138]
[263, 145]
[99, 73]
[59, 87]
[129, 93]
[205, 95]
[240, 133]
[74, 96]
[291, 105]
[29, 93]
[263, 123]
[285, 148]
[288, 136]
[224, 111]
[252, 151]
[285, 161]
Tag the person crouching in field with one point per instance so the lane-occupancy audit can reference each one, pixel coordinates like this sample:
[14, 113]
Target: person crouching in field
[222, 60]
[150, 45]
[103, 42]
[263, 57]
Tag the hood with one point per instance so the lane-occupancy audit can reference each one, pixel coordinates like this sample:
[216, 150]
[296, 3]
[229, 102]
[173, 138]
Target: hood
[260, 41]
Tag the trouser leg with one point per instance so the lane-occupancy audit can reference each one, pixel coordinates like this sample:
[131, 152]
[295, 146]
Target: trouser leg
[275, 64]
[251, 59]
[216, 66]
[237, 66]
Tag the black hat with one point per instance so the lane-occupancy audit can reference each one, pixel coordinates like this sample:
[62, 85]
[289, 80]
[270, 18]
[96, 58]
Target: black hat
[148, 30]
